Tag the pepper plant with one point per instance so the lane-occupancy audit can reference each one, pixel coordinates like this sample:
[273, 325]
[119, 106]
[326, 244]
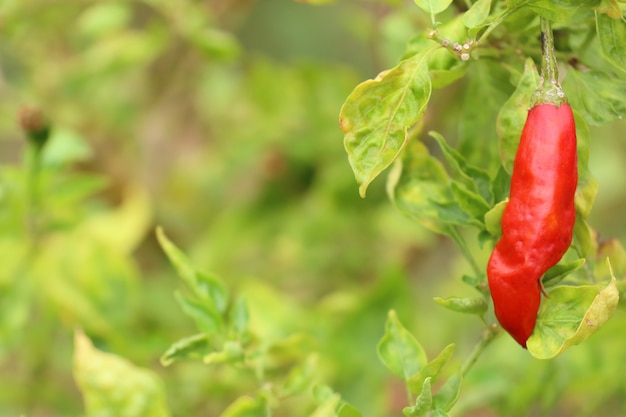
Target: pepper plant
[459, 186]
[192, 136]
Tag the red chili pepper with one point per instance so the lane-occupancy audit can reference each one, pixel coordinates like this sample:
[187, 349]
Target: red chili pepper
[538, 220]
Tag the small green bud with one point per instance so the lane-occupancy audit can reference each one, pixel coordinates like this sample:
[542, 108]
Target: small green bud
[35, 126]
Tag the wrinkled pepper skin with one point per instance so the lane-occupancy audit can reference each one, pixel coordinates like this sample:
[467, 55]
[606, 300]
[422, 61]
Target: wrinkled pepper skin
[538, 221]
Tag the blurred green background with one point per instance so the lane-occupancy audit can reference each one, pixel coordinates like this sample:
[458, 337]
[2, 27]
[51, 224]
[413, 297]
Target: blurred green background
[218, 120]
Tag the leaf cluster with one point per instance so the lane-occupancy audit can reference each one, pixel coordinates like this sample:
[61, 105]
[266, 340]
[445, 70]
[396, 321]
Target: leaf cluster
[463, 183]
[283, 369]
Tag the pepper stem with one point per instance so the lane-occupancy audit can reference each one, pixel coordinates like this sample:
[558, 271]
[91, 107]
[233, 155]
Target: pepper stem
[549, 90]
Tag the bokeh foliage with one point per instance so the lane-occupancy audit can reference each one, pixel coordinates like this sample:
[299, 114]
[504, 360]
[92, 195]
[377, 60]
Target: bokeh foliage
[218, 121]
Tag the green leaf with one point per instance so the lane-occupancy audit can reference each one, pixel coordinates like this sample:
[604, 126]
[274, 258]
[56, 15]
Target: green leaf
[420, 189]
[102, 19]
[194, 24]
[487, 89]
[477, 179]
[423, 403]
[478, 282]
[587, 185]
[493, 218]
[474, 305]
[231, 352]
[331, 404]
[598, 96]
[377, 115]
[215, 43]
[471, 203]
[65, 147]
[585, 194]
[399, 350]
[500, 184]
[433, 7]
[560, 10]
[348, 410]
[239, 316]
[513, 114]
[328, 408]
[210, 295]
[180, 262]
[323, 393]
[477, 14]
[75, 190]
[112, 386]
[210, 287]
[246, 406]
[207, 318]
[569, 315]
[449, 393]
[612, 36]
[192, 347]
[442, 77]
[585, 239]
[128, 49]
[560, 271]
[431, 370]
[300, 377]
[293, 348]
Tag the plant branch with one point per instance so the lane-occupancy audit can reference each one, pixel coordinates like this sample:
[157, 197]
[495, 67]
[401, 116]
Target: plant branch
[463, 51]
[33, 193]
[460, 50]
[498, 20]
[549, 90]
[488, 335]
[549, 68]
[458, 239]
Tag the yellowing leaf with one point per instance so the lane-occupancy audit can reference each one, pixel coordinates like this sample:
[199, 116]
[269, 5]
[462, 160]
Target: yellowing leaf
[114, 387]
[377, 115]
[569, 315]
[90, 284]
[126, 225]
[245, 407]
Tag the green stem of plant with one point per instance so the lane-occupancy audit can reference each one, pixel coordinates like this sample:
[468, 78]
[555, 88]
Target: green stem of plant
[549, 68]
[33, 191]
[458, 239]
[488, 335]
[23, 287]
[498, 20]
[549, 90]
